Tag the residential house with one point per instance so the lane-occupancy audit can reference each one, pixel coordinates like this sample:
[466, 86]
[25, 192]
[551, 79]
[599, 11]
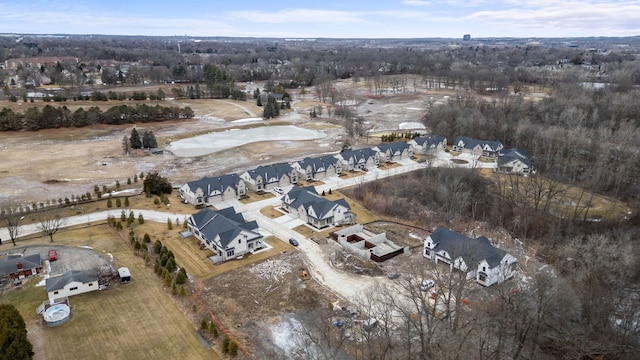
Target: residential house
[394, 151]
[514, 161]
[484, 148]
[477, 257]
[73, 282]
[212, 190]
[19, 267]
[225, 232]
[359, 159]
[318, 168]
[307, 205]
[367, 244]
[265, 178]
[428, 144]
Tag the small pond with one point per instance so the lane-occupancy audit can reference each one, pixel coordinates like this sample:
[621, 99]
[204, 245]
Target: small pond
[218, 141]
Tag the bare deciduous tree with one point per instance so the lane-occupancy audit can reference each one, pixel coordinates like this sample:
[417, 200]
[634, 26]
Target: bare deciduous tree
[50, 222]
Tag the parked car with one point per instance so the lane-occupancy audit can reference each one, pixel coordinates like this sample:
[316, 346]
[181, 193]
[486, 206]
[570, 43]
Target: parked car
[427, 284]
[393, 275]
[53, 255]
[293, 242]
[278, 190]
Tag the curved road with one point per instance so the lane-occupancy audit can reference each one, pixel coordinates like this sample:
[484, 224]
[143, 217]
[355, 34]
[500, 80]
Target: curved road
[348, 286]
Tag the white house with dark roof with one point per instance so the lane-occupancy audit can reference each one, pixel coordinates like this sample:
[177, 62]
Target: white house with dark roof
[394, 151]
[428, 144]
[73, 282]
[481, 261]
[307, 205]
[485, 148]
[225, 232]
[359, 159]
[212, 190]
[318, 168]
[264, 178]
[514, 161]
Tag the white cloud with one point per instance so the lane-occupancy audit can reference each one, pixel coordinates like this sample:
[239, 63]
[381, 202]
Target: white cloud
[299, 15]
[566, 14]
[417, 3]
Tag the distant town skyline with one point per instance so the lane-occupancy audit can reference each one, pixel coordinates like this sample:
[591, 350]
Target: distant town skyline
[329, 18]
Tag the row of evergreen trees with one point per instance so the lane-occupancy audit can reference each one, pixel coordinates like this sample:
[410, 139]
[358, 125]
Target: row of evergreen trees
[50, 117]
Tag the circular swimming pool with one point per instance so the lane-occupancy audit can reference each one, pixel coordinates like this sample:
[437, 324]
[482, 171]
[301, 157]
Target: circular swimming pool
[57, 314]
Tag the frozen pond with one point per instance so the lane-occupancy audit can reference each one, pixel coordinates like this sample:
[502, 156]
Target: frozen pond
[218, 141]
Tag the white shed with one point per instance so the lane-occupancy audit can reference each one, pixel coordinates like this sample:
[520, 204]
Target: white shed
[125, 275]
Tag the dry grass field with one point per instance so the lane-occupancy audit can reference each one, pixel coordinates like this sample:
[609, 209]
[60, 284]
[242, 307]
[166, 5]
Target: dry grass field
[566, 200]
[138, 320]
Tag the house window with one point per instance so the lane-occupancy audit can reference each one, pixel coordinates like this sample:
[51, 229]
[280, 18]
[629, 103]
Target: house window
[90, 284]
[55, 293]
[230, 252]
[73, 288]
[484, 268]
[427, 252]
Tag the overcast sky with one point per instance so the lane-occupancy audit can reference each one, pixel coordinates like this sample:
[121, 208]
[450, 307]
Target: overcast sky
[327, 18]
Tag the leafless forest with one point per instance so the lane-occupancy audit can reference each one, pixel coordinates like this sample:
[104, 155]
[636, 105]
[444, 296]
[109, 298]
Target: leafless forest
[583, 132]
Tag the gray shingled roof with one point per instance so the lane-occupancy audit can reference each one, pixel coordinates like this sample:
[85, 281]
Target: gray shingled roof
[9, 263]
[225, 223]
[430, 141]
[473, 251]
[395, 147]
[507, 156]
[321, 162]
[209, 184]
[59, 282]
[470, 143]
[359, 154]
[271, 171]
[308, 197]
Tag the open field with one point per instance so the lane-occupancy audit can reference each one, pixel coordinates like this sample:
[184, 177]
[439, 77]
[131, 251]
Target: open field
[563, 200]
[125, 322]
[363, 215]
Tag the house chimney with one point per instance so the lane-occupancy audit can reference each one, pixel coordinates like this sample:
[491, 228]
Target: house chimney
[19, 265]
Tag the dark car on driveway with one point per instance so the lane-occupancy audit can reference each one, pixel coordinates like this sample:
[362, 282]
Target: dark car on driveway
[393, 275]
[293, 242]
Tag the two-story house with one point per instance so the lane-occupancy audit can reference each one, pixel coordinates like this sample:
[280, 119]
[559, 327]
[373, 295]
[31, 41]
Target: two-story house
[481, 261]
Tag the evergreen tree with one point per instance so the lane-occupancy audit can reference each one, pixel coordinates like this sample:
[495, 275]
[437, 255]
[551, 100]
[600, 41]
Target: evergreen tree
[156, 184]
[134, 139]
[14, 343]
[149, 140]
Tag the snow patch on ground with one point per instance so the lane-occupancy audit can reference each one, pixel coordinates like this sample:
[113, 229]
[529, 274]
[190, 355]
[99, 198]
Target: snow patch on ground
[218, 141]
[274, 270]
[247, 120]
[411, 125]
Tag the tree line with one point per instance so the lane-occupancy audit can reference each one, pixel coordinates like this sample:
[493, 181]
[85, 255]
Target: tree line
[587, 306]
[50, 117]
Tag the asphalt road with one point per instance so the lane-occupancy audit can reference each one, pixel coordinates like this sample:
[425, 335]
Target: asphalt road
[347, 286]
